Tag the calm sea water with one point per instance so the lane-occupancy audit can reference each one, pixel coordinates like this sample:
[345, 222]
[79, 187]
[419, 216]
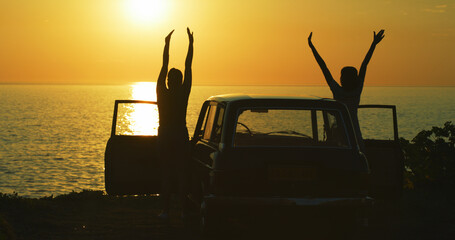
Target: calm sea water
[52, 137]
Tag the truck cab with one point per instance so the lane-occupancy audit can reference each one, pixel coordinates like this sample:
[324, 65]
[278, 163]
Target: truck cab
[266, 152]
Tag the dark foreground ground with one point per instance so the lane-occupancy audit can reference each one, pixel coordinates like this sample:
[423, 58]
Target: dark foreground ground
[93, 215]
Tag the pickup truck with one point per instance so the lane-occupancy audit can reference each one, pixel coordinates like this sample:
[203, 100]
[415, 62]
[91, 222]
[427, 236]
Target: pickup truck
[255, 153]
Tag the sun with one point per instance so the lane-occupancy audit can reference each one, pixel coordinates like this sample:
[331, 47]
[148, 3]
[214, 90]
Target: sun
[146, 11]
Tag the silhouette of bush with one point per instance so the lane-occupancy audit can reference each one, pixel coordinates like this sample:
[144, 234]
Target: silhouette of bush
[86, 194]
[430, 158]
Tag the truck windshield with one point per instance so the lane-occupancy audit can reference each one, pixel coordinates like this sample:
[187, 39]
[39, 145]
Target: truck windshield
[290, 127]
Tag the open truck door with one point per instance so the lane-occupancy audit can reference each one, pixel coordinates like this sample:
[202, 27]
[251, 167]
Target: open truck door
[383, 151]
[131, 162]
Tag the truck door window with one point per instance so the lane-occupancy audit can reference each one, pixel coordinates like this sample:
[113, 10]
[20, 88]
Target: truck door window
[216, 136]
[137, 119]
[204, 122]
[382, 129]
[322, 136]
[209, 122]
[334, 130]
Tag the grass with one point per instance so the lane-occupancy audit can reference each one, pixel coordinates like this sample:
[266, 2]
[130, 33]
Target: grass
[93, 215]
[85, 215]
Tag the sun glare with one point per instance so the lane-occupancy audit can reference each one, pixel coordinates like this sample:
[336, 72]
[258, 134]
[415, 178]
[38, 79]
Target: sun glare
[146, 11]
[144, 91]
[144, 118]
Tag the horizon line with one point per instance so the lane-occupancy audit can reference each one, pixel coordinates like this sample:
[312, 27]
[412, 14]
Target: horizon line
[210, 85]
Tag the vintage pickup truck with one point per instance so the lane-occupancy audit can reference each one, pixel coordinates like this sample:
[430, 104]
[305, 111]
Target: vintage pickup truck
[266, 152]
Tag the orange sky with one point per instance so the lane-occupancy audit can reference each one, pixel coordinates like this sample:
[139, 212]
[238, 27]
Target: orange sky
[254, 42]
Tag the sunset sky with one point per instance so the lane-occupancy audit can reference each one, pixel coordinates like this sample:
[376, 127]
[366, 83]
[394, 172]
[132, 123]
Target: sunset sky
[237, 42]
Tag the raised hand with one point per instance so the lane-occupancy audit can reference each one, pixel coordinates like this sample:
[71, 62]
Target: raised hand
[321, 63]
[363, 68]
[190, 35]
[378, 37]
[188, 78]
[168, 37]
[309, 39]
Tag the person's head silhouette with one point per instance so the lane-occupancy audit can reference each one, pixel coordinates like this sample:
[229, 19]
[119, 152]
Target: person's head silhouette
[174, 79]
[349, 78]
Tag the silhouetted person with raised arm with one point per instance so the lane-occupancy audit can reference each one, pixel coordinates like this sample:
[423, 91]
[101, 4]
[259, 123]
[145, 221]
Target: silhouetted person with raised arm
[351, 83]
[173, 139]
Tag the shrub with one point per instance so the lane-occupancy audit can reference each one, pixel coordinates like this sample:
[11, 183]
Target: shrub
[430, 158]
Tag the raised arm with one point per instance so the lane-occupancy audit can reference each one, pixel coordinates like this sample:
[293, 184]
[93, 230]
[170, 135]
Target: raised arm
[188, 78]
[161, 83]
[322, 65]
[363, 69]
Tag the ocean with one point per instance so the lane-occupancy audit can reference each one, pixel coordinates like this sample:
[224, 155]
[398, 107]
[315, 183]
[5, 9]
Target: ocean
[52, 137]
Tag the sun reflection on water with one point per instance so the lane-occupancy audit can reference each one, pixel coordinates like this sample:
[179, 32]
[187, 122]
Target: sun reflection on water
[139, 118]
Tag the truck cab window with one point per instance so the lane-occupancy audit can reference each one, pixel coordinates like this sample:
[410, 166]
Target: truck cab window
[275, 127]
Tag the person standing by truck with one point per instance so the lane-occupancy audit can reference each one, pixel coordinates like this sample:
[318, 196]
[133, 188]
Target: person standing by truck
[173, 140]
[351, 83]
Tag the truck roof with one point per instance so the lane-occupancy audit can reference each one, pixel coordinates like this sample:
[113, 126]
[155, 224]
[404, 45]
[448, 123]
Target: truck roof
[241, 97]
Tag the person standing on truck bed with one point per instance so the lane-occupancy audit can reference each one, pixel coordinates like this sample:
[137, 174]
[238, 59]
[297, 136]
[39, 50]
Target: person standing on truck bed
[173, 142]
[351, 82]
